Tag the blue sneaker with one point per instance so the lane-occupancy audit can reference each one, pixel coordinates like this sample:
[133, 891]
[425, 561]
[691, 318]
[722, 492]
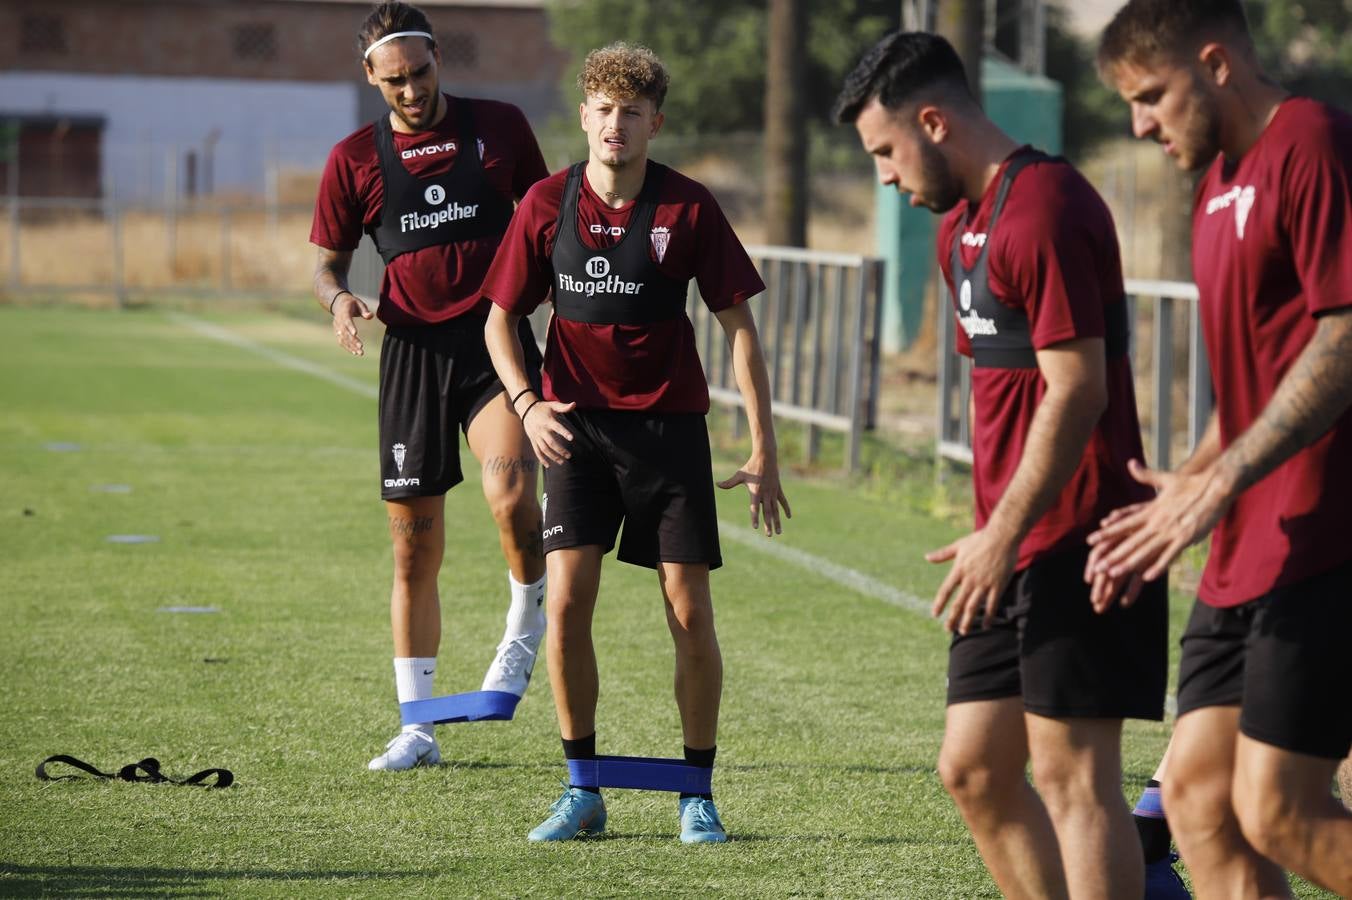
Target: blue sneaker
[1162, 882]
[576, 814]
[700, 823]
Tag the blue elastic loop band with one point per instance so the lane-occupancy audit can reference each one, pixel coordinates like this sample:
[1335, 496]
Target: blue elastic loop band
[641, 773]
[472, 706]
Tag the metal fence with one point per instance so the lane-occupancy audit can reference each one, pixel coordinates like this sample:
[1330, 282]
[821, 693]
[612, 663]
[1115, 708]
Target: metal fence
[1177, 413]
[820, 323]
[819, 319]
[60, 245]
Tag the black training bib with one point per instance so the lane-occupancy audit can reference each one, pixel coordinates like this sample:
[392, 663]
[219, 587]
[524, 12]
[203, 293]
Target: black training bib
[459, 205]
[999, 334]
[619, 285]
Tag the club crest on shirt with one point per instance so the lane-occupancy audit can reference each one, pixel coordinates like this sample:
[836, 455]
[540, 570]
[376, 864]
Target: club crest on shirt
[661, 238]
[1241, 198]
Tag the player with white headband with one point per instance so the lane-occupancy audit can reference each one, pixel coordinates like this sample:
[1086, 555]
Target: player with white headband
[433, 183]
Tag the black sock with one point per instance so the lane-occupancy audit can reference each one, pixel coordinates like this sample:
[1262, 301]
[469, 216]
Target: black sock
[705, 760]
[581, 748]
[1153, 829]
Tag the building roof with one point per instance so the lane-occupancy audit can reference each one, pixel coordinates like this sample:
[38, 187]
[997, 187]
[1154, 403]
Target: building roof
[490, 4]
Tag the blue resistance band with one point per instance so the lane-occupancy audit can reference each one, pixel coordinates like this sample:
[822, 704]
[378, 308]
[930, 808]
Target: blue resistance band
[471, 706]
[641, 773]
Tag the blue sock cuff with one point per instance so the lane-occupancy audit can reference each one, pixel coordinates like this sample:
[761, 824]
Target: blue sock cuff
[1151, 804]
[582, 773]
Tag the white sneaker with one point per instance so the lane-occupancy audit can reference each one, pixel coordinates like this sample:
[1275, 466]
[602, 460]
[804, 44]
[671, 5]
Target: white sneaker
[511, 668]
[408, 749]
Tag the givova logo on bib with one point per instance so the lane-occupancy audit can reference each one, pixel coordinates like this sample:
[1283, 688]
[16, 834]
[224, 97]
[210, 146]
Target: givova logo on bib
[435, 195]
[602, 283]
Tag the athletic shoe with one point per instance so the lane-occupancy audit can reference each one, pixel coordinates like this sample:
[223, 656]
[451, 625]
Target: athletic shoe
[408, 749]
[576, 814]
[511, 668]
[700, 823]
[1162, 882]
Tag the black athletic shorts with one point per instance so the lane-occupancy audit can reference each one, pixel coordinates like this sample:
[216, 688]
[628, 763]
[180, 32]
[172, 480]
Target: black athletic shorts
[1284, 658]
[651, 471]
[433, 379]
[1047, 645]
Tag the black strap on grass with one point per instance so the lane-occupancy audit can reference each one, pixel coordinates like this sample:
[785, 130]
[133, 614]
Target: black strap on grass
[147, 770]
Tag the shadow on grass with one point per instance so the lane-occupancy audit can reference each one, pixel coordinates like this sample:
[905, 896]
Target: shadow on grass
[143, 881]
[747, 837]
[750, 768]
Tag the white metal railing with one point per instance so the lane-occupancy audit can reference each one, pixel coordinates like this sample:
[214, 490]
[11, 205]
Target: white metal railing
[1164, 298]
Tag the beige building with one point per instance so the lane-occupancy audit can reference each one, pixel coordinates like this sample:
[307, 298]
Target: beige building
[219, 92]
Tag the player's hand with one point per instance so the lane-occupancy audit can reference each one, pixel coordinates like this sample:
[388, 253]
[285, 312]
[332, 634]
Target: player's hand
[983, 563]
[549, 437]
[760, 474]
[346, 310]
[1148, 537]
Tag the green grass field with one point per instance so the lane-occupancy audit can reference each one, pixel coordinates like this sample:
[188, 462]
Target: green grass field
[259, 479]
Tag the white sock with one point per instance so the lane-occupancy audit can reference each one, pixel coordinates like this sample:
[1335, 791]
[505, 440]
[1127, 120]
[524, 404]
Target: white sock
[526, 615]
[413, 681]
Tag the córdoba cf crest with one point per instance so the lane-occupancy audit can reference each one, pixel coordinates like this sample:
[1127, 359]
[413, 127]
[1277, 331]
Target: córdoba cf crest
[661, 236]
[399, 453]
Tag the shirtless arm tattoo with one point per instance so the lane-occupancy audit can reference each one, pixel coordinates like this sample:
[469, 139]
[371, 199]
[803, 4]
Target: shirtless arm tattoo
[1312, 395]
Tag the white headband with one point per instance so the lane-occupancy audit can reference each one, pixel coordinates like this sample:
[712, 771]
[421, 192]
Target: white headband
[397, 34]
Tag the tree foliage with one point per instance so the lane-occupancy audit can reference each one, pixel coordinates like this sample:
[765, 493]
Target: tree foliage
[715, 51]
[1306, 45]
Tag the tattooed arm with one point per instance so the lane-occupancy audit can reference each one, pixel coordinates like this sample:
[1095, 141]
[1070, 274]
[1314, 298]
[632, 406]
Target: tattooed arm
[330, 288]
[1314, 393]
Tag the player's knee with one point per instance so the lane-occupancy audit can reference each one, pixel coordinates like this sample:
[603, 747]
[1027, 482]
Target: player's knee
[969, 779]
[514, 509]
[416, 561]
[1200, 803]
[1272, 824]
[691, 619]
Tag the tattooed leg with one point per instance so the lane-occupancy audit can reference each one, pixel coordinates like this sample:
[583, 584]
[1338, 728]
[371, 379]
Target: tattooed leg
[418, 535]
[509, 471]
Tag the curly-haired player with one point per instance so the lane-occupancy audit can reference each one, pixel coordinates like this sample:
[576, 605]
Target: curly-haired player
[619, 424]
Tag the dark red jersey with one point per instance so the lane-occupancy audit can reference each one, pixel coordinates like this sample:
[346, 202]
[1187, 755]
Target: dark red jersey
[1272, 251]
[440, 282]
[652, 366]
[1053, 256]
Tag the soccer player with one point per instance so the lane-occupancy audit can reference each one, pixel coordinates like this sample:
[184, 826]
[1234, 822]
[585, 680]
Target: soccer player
[1262, 720]
[619, 424]
[1030, 255]
[433, 183]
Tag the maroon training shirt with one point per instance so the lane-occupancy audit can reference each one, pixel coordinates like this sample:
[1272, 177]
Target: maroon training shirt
[1054, 255]
[1271, 251]
[653, 367]
[436, 283]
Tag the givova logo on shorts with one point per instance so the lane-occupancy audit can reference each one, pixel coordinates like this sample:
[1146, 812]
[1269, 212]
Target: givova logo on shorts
[400, 453]
[544, 514]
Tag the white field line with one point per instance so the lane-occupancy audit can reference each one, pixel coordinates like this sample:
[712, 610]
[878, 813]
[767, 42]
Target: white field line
[845, 577]
[842, 575]
[286, 360]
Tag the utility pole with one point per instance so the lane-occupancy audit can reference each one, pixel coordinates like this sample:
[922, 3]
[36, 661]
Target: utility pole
[786, 182]
[963, 23]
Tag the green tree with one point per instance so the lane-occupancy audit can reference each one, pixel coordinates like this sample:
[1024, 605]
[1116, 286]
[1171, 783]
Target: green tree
[1306, 45]
[715, 51]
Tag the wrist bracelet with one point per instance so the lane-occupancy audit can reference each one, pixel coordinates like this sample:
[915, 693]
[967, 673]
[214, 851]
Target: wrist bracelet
[335, 298]
[528, 409]
[524, 391]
